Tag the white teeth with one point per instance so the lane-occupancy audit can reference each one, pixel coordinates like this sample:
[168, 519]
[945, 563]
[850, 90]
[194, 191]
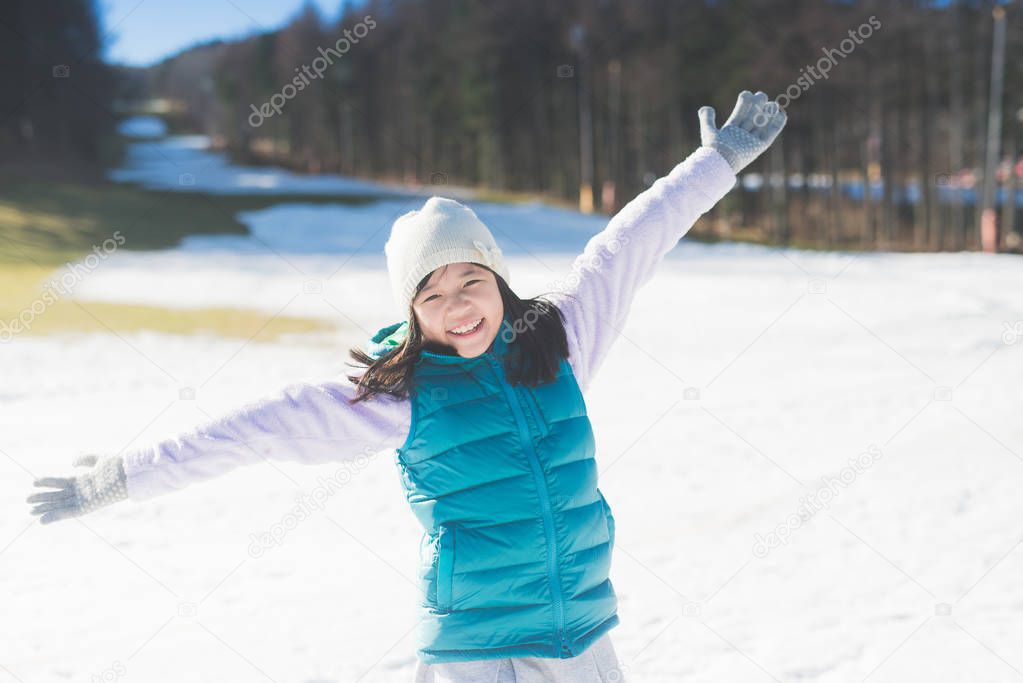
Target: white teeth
[467, 328]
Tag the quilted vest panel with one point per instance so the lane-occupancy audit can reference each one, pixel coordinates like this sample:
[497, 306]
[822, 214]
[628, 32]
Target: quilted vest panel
[517, 541]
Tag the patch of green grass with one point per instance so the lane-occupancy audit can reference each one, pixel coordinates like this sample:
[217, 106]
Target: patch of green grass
[28, 306]
[51, 221]
[45, 223]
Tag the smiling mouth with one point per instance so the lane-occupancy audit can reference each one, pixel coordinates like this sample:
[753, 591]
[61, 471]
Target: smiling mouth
[467, 330]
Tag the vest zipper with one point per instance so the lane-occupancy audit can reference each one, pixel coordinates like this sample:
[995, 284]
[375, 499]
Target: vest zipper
[545, 504]
[535, 410]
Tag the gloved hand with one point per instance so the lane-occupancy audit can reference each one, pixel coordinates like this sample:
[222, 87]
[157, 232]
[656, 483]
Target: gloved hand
[748, 132]
[103, 485]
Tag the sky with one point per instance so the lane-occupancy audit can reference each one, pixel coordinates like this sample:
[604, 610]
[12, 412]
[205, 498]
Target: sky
[142, 32]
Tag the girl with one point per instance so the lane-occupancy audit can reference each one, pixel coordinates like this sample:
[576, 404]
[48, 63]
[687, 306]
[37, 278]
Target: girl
[480, 395]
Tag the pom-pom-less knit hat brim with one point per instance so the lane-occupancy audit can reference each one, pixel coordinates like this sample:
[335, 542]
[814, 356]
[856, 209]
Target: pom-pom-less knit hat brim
[443, 231]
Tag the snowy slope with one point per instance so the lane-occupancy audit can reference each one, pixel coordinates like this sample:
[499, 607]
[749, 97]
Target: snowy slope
[744, 382]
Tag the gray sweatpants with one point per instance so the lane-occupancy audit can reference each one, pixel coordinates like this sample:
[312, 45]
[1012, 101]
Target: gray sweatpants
[598, 664]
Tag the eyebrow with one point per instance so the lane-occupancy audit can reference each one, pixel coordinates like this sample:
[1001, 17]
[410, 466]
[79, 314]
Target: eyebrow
[465, 273]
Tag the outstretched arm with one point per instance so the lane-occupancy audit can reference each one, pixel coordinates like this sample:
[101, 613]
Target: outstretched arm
[307, 423]
[598, 291]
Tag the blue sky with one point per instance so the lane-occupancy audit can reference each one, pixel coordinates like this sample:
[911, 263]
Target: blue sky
[141, 32]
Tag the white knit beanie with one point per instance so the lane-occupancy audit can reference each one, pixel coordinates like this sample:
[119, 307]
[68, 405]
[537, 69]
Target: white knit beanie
[442, 232]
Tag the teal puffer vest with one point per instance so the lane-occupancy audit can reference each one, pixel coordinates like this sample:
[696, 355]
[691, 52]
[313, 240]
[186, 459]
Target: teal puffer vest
[516, 551]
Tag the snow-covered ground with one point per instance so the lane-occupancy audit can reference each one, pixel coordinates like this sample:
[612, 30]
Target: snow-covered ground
[744, 382]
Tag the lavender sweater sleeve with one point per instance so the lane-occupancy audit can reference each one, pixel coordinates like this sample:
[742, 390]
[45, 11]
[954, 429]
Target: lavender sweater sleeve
[313, 423]
[303, 422]
[596, 294]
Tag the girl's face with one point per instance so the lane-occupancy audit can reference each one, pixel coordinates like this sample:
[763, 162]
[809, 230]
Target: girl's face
[456, 297]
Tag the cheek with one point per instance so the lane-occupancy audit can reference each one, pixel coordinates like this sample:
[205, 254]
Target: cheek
[427, 322]
[435, 325]
[494, 305]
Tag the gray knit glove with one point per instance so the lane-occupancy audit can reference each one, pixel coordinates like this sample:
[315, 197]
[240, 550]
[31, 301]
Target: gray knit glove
[104, 484]
[749, 131]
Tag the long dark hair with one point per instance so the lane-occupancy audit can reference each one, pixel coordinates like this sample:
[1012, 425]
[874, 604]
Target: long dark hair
[534, 354]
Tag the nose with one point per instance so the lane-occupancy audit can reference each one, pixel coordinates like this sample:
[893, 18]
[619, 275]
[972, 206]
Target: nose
[458, 305]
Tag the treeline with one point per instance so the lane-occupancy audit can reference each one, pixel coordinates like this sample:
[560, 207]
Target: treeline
[56, 94]
[888, 102]
[488, 92]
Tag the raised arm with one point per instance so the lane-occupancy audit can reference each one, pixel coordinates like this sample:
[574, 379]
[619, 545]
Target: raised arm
[598, 291]
[307, 423]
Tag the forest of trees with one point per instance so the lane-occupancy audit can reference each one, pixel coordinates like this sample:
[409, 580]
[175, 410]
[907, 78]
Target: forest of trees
[487, 92]
[55, 91]
[495, 93]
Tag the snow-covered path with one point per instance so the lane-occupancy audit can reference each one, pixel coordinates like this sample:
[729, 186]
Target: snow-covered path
[878, 394]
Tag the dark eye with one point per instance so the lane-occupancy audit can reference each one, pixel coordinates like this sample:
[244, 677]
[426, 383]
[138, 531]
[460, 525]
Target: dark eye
[434, 295]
